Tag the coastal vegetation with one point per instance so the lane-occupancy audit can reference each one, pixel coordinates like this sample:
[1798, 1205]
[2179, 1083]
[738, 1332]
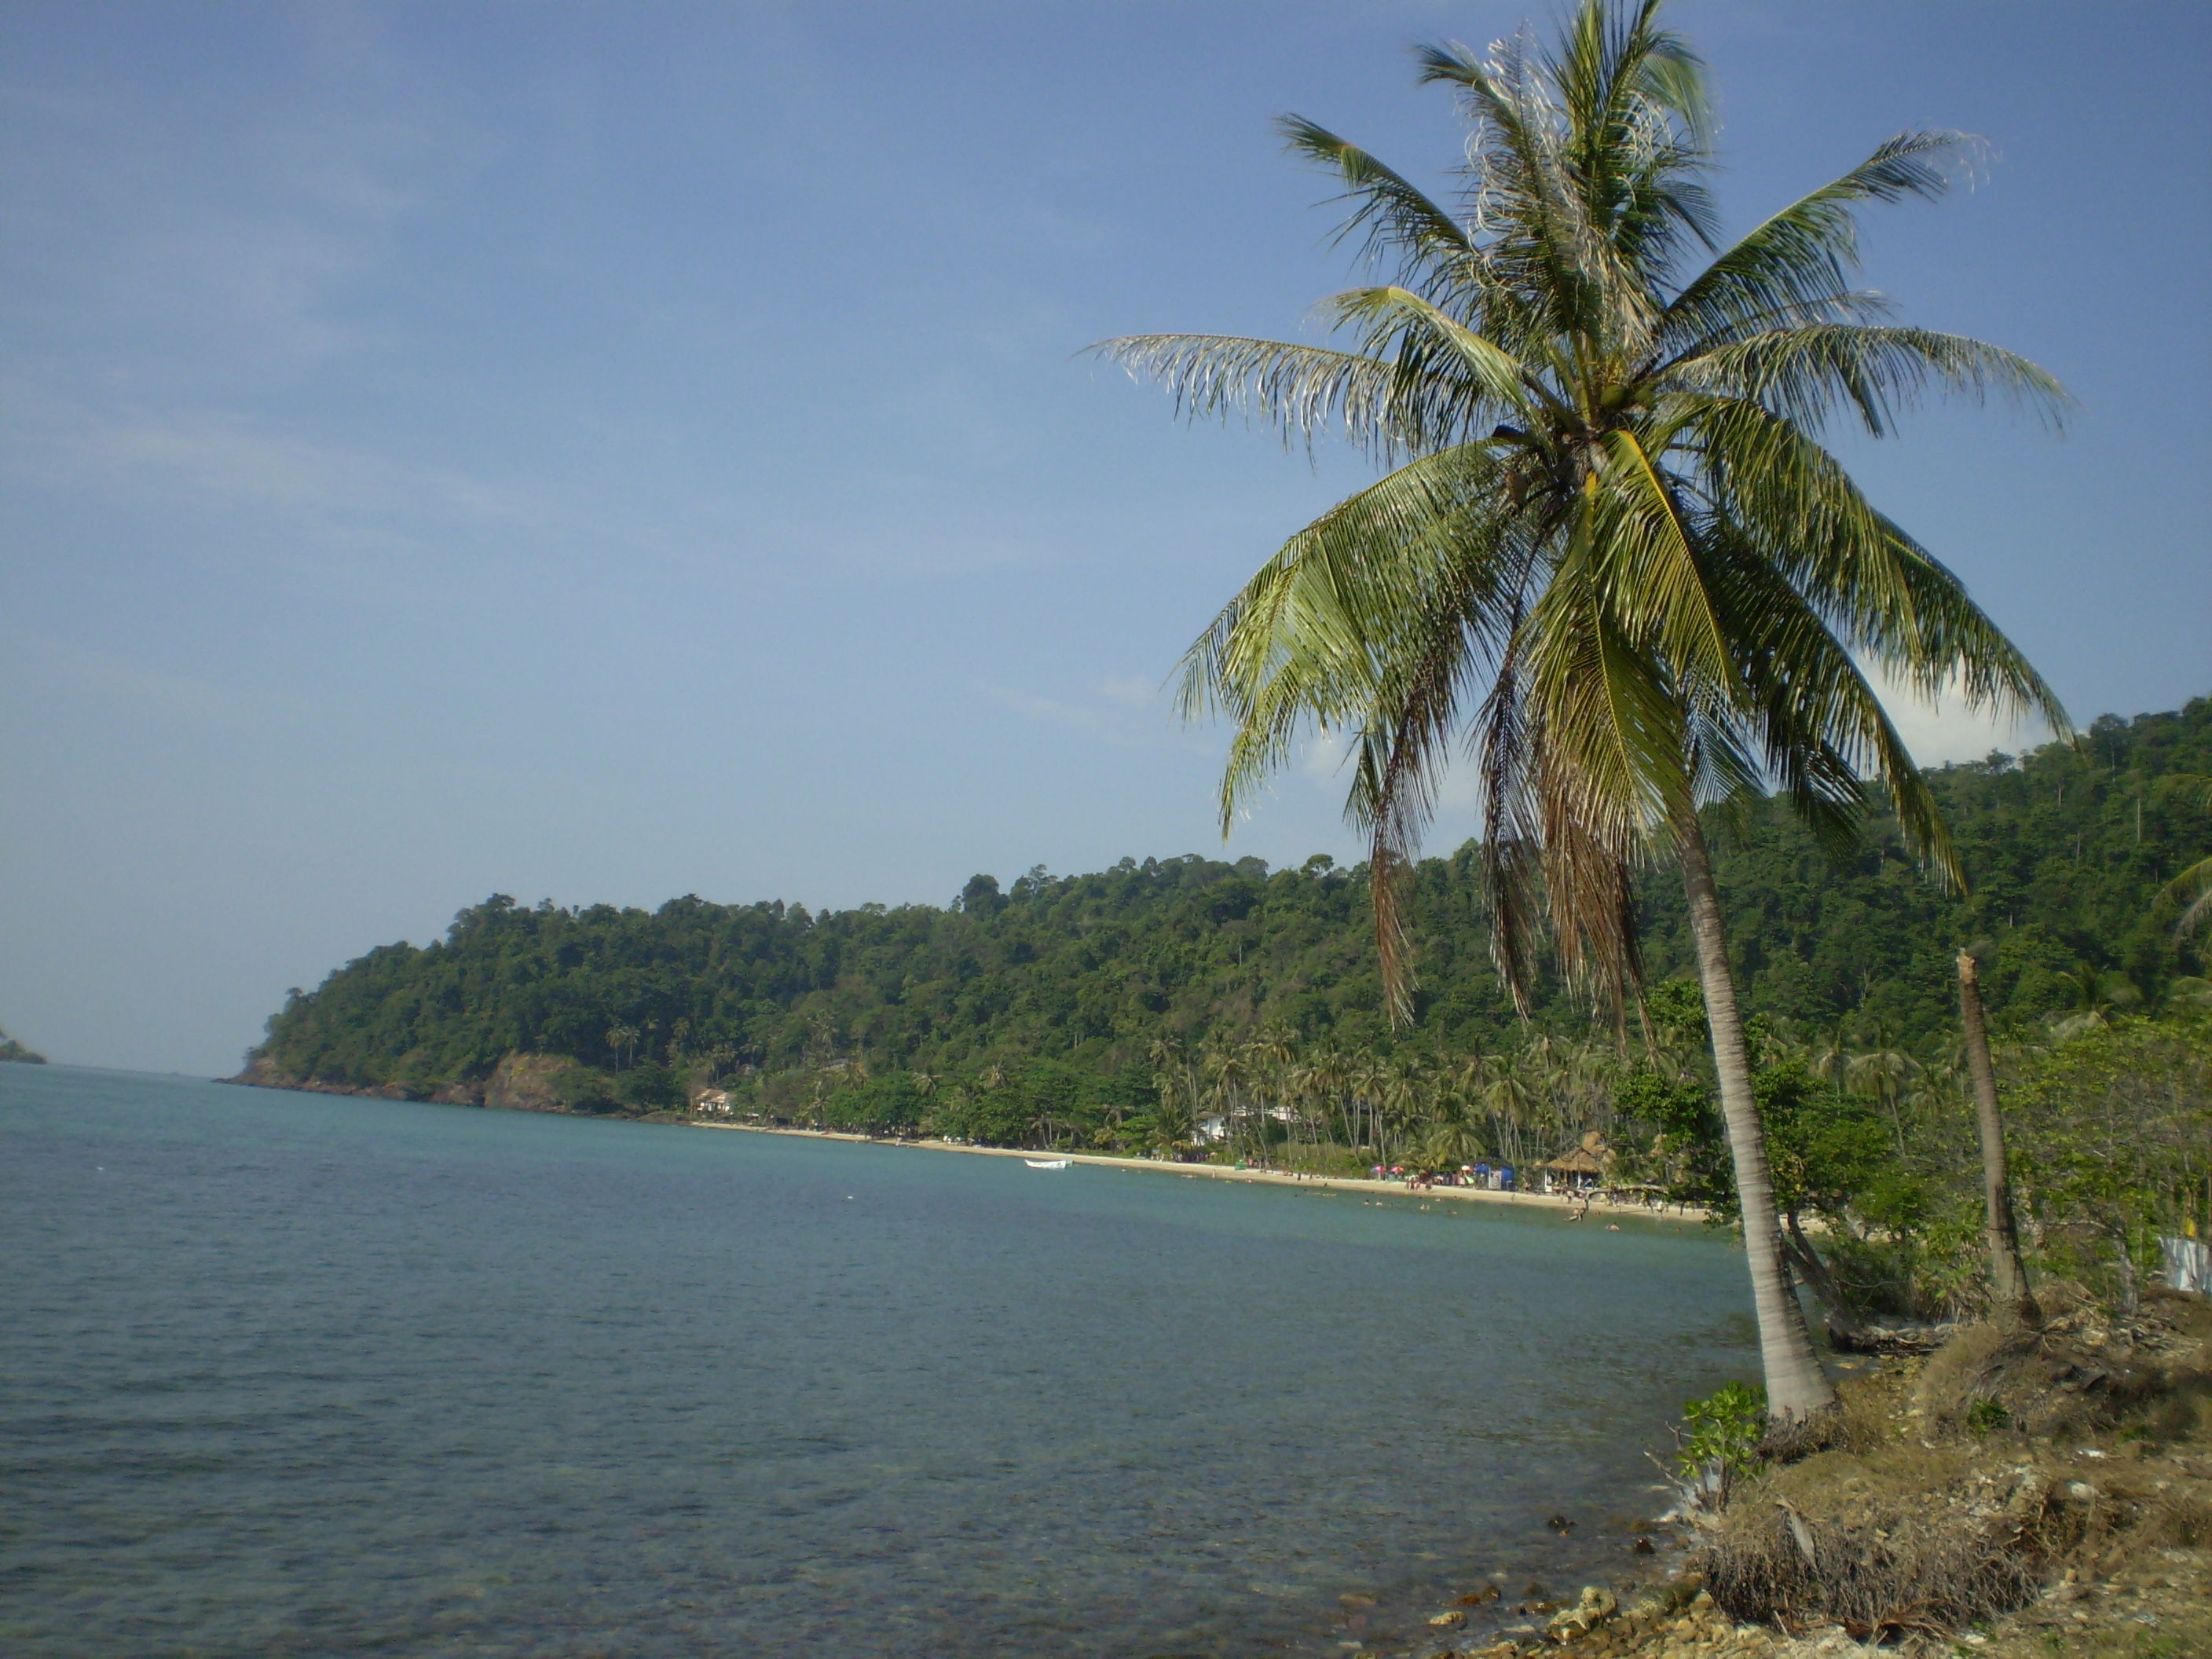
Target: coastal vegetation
[2066, 847]
[1122, 1011]
[2039, 1493]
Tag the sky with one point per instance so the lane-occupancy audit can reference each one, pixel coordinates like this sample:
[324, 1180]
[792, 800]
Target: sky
[605, 452]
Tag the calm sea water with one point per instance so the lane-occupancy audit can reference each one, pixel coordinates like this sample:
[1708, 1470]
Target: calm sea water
[290, 1375]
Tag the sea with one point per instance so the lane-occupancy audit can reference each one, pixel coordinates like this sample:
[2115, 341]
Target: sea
[286, 1374]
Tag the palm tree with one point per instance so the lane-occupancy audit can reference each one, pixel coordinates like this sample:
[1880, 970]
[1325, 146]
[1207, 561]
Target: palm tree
[1828, 1055]
[1612, 554]
[621, 1037]
[1885, 1071]
[1452, 1143]
[1511, 1102]
[1227, 1068]
[1175, 1119]
[1366, 1080]
[2098, 993]
[1276, 1050]
[2013, 1302]
[2192, 889]
[1329, 1079]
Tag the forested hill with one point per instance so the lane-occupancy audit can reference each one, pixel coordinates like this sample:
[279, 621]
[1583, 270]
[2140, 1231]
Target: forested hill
[2067, 847]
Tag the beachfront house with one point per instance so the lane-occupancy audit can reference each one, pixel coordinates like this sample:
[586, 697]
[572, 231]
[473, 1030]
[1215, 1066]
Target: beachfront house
[1582, 1169]
[713, 1100]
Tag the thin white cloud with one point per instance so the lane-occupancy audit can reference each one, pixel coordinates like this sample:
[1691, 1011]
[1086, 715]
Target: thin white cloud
[237, 251]
[1945, 730]
[1325, 755]
[219, 458]
[1138, 690]
[87, 673]
[1124, 710]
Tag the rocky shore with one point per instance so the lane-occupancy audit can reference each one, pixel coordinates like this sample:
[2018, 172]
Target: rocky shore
[520, 1083]
[2010, 1497]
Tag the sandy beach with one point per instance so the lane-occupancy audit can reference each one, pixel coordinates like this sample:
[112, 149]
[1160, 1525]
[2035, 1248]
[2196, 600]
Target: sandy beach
[1599, 1208]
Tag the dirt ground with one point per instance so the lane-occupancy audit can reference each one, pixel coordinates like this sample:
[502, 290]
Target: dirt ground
[2044, 1494]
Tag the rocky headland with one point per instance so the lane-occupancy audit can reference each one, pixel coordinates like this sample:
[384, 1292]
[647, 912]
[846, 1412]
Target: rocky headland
[519, 1083]
[11, 1049]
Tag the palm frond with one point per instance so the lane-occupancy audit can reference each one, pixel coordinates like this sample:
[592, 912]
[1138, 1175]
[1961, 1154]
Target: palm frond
[1806, 373]
[1801, 259]
[1652, 575]
[2192, 891]
[1426, 345]
[1371, 621]
[1302, 390]
[1889, 599]
[1397, 221]
[1612, 527]
[1801, 698]
[1540, 238]
[1634, 99]
[1319, 636]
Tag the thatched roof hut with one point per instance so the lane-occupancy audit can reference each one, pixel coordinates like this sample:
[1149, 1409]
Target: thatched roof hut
[1585, 1166]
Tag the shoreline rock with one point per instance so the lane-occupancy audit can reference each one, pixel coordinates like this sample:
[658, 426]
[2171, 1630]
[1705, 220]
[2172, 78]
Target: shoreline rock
[520, 1083]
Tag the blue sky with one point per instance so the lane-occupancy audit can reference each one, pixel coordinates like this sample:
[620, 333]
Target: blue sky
[605, 452]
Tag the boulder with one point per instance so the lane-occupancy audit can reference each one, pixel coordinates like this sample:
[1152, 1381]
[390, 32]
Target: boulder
[1592, 1608]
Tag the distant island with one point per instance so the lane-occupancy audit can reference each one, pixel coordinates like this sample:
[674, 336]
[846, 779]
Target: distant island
[11, 1049]
[1050, 1011]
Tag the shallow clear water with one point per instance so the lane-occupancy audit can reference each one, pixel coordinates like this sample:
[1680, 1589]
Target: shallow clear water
[292, 1375]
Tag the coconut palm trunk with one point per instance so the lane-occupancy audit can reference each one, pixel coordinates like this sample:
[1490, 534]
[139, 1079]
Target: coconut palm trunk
[2011, 1301]
[1796, 1388]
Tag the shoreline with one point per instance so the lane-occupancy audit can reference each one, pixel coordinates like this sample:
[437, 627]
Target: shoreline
[1225, 1172]
[1360, 1184]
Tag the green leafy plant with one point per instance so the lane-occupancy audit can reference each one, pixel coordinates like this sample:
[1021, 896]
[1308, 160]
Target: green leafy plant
[1719, 1442]
[1986, 1416]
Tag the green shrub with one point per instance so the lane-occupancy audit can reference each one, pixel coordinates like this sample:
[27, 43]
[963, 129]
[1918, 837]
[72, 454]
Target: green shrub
[1986, 1416]
[582, 1088]
[648, 1088]
[1719, 1440]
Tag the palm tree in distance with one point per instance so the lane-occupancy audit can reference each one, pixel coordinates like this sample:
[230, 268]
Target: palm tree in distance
[1883, 1071]
[1612, 555]
[2191, 890]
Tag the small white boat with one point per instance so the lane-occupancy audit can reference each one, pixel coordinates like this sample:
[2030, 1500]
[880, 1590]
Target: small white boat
[1049, 1162]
